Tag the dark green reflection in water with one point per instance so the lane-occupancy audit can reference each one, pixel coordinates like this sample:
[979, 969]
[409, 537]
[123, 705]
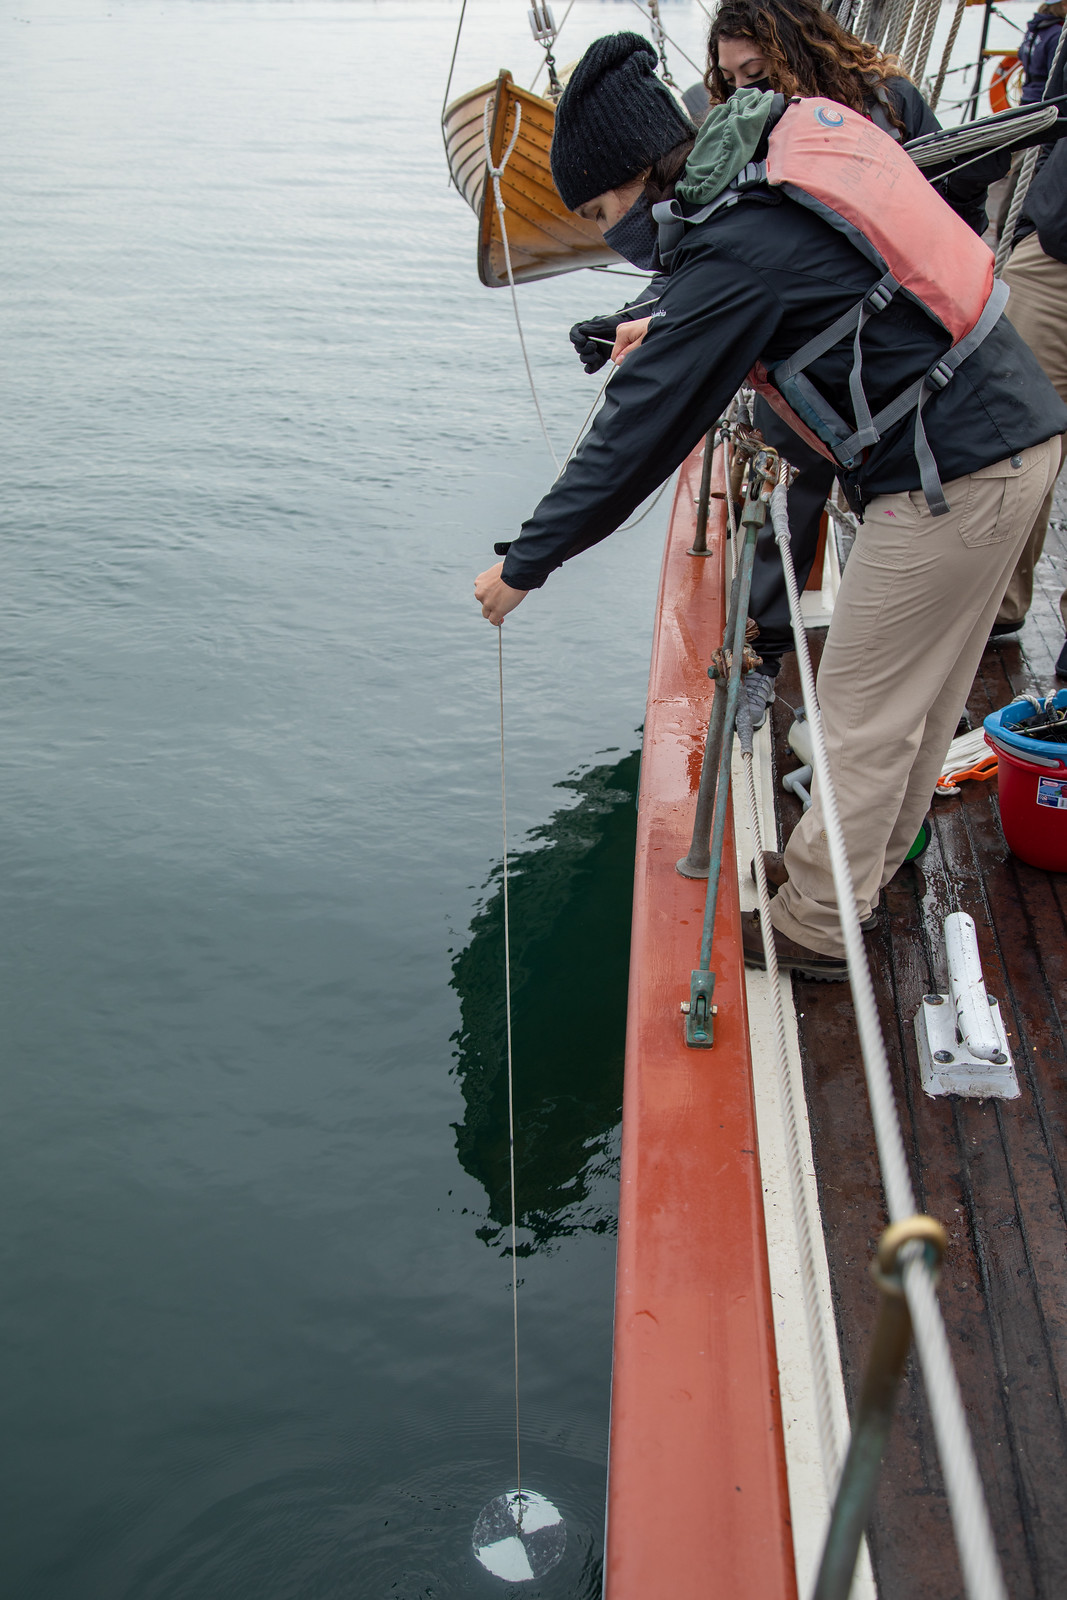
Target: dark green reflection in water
[571, 892]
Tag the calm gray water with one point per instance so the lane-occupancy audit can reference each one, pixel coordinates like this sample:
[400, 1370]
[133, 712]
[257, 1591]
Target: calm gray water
[262, 426]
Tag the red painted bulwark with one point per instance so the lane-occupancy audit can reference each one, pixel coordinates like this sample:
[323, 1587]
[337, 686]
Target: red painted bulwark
[697, 1501]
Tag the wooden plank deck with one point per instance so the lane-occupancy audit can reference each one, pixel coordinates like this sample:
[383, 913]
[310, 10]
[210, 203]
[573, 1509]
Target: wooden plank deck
[995, 1173]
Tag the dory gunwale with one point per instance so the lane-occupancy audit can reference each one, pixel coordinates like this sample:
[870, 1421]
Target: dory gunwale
[544, 238]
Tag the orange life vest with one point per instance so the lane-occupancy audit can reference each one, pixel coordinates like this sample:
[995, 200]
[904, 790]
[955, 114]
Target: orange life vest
[838, 164]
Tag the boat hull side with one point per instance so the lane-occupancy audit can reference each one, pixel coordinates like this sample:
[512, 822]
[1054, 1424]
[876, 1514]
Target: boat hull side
[698, 1500]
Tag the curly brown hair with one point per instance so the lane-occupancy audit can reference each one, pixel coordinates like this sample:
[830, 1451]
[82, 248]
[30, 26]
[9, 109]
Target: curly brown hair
[807, 52]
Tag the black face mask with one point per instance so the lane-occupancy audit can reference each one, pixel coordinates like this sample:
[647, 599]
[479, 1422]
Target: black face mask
[764, 85]
[635, 237]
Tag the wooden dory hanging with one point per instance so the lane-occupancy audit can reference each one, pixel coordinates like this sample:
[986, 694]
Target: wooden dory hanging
[545, 238]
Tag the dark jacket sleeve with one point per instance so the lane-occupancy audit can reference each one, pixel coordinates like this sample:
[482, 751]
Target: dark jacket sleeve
[964, 191]
[712, 322]
[1046, 204]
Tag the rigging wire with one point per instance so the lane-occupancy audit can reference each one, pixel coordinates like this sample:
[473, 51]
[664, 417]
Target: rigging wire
[511, 1079]
[452, 63]
[673, 42]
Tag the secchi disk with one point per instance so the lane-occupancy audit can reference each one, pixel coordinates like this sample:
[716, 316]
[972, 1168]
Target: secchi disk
[519, 1536]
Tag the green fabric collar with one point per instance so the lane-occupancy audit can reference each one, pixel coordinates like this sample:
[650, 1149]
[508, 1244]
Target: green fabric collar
[725, 145]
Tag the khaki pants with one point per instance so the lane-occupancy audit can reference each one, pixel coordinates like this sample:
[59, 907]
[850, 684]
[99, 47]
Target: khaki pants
[910, 622]
[1038, 311]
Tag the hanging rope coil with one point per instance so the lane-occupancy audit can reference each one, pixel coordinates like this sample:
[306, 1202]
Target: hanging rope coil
[967, 1505]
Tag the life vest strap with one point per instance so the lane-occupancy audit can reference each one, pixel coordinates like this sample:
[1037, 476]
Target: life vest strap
[672, 221]
[916, 395]
[879, 295]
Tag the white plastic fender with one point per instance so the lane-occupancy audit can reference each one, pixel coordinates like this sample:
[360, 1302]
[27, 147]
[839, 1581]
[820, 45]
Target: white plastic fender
[799, 741]
[967, 987]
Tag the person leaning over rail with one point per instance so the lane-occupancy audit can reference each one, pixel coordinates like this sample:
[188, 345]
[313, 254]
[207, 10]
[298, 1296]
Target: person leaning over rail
[792, 47]
[752, 283]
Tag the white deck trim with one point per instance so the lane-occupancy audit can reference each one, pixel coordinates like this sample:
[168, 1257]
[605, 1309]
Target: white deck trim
[807, 1492]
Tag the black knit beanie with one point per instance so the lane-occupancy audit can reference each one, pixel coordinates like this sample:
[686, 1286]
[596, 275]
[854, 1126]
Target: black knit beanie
[615, 119]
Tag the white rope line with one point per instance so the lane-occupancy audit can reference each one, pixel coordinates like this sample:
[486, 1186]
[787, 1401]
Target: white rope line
[1007, 237]
[831, 1442]
[511, 1077]
[578, 437]
[970, 1517]
[496, 173]
[980, 1564]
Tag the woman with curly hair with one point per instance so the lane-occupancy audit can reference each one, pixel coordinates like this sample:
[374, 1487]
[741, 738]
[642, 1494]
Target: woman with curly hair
[794, 47]
[797, 48]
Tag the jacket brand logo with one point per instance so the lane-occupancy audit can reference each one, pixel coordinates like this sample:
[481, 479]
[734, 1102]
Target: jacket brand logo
[829, 119]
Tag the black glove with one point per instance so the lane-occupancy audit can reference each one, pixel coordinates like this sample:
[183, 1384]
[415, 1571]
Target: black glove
[593, 340]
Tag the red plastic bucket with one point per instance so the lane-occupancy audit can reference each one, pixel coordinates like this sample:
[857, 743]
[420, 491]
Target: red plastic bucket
[1033, 809]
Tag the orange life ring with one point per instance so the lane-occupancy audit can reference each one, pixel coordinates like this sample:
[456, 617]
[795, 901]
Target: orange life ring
[1006, 84]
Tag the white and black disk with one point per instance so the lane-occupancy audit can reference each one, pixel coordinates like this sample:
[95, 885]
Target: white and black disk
[519, 1536]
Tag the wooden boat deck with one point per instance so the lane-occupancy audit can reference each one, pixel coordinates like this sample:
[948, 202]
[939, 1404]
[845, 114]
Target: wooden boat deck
[994, 1172]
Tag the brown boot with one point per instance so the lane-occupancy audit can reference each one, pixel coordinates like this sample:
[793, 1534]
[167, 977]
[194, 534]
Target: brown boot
[791, 957]
[774, 867]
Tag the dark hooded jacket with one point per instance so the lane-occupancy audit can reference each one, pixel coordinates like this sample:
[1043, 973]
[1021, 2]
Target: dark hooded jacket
[1045, 206]
[755, 282]
[1036, 52]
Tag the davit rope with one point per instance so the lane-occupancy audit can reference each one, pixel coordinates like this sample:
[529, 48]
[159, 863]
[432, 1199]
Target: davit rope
[970, 1516]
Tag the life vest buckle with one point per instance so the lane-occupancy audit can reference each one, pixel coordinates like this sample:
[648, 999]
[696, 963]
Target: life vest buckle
[940, 376]
[878, 298]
